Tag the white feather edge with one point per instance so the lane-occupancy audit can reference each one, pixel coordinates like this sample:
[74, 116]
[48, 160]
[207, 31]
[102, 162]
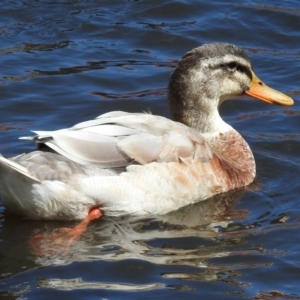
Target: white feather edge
[15, 166]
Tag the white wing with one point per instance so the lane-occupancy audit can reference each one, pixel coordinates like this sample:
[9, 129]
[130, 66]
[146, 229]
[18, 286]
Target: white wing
[118, 139]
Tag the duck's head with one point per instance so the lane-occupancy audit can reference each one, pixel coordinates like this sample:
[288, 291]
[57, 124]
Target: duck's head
[210, 74]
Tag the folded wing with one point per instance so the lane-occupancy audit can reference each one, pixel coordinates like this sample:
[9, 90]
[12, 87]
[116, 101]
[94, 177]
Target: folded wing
[118, 139]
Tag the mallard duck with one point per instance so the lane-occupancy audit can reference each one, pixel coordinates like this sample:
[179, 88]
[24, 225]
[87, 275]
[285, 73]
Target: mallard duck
[136, 163]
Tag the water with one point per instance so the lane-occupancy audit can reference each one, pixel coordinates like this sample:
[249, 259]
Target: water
[63, 62]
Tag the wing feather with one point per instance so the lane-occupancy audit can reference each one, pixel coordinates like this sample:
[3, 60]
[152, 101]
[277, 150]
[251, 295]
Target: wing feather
[143, 148]
[88, 148]
[116, 139]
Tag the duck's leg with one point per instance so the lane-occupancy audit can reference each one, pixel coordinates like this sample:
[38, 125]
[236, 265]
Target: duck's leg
[59, 241]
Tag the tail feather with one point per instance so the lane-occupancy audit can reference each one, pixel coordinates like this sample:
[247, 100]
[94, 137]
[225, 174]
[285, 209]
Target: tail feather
[10, 166]
[16, 187]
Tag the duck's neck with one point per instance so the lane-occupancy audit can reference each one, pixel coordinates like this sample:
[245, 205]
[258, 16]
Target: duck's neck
[201, 114]
[205, 122]
[235, 156]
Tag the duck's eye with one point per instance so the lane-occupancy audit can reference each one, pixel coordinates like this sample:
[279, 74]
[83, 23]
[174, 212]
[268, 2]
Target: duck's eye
[232, 66]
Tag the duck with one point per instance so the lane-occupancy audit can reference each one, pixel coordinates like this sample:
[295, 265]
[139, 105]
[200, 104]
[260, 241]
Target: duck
[141, 164]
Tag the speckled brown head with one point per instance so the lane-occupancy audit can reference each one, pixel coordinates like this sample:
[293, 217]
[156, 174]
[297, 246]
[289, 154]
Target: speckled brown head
[210, 74]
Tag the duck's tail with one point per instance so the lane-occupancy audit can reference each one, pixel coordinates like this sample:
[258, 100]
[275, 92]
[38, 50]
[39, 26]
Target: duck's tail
[15, 185]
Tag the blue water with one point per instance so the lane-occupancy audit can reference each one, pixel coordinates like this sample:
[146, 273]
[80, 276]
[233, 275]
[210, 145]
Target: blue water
[63, 62]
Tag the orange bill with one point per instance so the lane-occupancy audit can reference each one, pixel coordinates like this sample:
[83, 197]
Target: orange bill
[261, 91]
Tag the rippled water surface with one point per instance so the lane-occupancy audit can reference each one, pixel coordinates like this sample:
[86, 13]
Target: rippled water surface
[63, 62]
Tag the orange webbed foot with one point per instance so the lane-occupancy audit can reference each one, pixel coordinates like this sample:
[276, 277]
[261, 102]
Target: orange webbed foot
[59, 241]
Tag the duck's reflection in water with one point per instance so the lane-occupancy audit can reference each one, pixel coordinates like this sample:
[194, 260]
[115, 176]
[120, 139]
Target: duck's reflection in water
[189, 237]
[179, 237]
